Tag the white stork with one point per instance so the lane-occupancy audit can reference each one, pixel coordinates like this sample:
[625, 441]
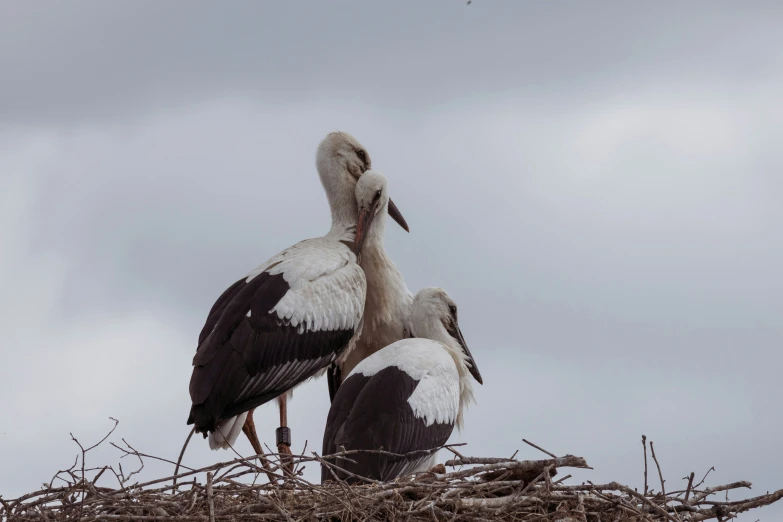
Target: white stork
[404, 398]
[286, 320]
[388, 299]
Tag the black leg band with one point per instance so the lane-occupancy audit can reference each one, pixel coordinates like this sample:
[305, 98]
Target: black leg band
[284, 436]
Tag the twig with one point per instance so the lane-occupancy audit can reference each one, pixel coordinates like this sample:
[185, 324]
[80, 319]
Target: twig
[524, 465]
[116, 423]
[486, 489]
[539, 448]
[476, 460]
[181, 454]
[704, 478]
[457, 453]
[688, 490]
[658, 509]
[95, 479]
[137, 455]
[334, 467]
[741, 507]
[210, 500]
[84, 454]
[700, 496]
[644, 445]
[660, 475]
[264, 462]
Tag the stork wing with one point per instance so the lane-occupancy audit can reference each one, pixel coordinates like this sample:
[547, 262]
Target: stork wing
[277, 327]
[375, 412]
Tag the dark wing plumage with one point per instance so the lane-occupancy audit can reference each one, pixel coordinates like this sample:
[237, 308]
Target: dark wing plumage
[333, 378]
[247, 356]
[373, 413]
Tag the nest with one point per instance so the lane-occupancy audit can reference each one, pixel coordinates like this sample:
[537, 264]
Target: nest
[464, 488]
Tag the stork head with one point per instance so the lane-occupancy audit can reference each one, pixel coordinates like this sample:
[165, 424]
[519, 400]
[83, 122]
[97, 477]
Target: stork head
[341, 160]
[434, 316]
[341, 156]
[372, 199]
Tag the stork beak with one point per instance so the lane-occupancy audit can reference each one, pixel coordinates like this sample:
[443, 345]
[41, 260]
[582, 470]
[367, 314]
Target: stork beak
[394, 212]
[456, 333]
[362, 226]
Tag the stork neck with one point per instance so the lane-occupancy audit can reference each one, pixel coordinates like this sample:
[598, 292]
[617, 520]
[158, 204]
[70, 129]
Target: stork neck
[344, 214]
[374, 241]
[429, 326]
[376, 264]
[388, 299]
[432, 328]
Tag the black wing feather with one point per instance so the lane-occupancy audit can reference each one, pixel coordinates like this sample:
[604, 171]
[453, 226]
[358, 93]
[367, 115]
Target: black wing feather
[373, 413]
[246, 360]
[333, 378]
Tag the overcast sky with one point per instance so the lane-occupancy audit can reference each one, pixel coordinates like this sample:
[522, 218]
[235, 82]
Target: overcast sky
[597, 184]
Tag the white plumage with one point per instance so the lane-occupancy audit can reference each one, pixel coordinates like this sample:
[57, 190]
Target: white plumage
[327, 286]
[406, 397]
[289, 318]
[388, 301]
[436, 397]
[227, 432]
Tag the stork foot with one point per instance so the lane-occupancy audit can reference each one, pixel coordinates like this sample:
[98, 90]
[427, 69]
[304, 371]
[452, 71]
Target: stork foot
[286, 458]
[438, 469]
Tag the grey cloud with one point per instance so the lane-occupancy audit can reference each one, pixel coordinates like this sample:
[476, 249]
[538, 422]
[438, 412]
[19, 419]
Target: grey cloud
[610, 230]
[183, 222]
[90, 60]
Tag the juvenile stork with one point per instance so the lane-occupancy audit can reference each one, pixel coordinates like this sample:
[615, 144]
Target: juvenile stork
[404, 398]
[388, 299]
[286, 320]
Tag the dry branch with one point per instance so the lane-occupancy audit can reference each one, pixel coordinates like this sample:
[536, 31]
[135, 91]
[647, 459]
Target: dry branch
[481, 488]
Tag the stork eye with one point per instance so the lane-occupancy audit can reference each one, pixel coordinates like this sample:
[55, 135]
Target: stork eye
[453, 310]
[377, 196]
[362, 155]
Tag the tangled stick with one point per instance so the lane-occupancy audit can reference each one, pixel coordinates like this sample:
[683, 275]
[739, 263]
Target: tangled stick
[477, 488]
[182, 453]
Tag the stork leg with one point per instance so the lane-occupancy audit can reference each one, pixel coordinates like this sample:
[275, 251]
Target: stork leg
[284, 436]
[250, 431]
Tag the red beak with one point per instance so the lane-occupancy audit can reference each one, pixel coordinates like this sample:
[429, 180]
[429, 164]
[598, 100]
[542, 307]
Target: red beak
[362, 225]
